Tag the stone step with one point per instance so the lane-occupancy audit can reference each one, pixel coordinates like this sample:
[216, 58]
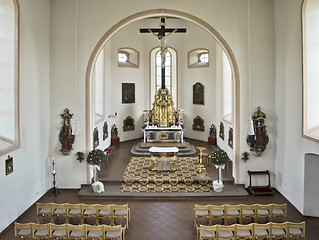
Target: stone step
[142, 149]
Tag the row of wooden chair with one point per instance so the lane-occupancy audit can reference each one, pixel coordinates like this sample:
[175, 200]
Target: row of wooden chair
[254, 212]
[68, 231]
[98, 212]
[271, 230]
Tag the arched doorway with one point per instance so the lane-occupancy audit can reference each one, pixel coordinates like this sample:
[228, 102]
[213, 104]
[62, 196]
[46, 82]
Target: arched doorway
[172, 13]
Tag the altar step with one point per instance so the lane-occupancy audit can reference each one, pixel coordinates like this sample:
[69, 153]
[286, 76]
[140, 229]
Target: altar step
[112, 192]
[142, 149]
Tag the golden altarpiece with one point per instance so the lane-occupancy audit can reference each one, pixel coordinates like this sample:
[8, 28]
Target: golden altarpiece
[162, 123]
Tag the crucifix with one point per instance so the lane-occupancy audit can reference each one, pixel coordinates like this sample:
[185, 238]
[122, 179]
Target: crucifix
[160, 33]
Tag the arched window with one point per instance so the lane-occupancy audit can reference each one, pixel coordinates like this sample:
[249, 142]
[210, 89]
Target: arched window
[170, 73]
[227, 90]
[310, 69]
[9, 72]
[99, 88]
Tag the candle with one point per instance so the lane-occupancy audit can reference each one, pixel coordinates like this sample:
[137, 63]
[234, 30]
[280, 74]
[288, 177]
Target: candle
[53, 164]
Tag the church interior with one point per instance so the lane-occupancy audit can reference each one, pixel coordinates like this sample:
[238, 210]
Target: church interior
[161, 108]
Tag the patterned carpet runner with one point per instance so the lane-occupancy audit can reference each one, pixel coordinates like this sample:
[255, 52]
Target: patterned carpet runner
[138, 177]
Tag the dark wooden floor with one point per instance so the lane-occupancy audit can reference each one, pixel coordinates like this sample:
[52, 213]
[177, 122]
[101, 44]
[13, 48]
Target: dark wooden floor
[154, 219]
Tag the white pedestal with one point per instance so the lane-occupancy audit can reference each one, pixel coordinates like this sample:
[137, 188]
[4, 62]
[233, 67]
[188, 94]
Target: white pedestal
[218, 186]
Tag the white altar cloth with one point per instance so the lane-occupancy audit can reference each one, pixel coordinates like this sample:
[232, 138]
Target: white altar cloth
[163, 149]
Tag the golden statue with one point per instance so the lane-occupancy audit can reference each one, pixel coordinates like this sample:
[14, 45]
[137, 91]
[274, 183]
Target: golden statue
[162, 113]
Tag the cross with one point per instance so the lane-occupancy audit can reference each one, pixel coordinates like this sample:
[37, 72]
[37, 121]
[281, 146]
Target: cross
[162, 38]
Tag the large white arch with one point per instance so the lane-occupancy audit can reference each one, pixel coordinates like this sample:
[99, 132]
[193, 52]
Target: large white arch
[173, 13]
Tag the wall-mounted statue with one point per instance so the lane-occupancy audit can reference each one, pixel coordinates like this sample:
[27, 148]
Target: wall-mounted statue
[115, 140]
[258, 138]
[221, 130]
[65, 137]
[212, 135]
[114, 132]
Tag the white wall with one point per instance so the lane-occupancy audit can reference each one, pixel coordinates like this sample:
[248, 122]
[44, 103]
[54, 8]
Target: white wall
[259, 87]
[66, 91]
[290, 163]
[311, 207]
[31, 176]
[94, 18]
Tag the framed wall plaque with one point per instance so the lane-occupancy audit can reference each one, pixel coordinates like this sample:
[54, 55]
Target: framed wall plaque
[198, 93]
[128, 92]
[9, 165]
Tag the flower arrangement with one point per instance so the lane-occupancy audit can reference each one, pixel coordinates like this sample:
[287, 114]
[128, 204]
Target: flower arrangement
[176, 123]
[96, 157]
[219, 157]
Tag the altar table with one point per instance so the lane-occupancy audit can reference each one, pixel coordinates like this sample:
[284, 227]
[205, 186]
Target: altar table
[163, 134]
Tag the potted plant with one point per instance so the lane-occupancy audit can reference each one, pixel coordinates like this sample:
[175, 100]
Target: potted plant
[80, 156]
[95, 158]
[220, 158]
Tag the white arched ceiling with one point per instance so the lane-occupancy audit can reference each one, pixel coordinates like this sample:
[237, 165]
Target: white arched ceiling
[172, 13]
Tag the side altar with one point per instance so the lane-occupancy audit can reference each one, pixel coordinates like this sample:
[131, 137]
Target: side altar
[163, 123]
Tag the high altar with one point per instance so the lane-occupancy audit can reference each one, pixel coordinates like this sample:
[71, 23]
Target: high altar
[163, 123]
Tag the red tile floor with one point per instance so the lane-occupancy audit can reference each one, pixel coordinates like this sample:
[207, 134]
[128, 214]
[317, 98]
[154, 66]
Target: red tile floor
[154, 219]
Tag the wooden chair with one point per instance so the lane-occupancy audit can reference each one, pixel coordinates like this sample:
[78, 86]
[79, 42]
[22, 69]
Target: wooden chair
[244, 232]
[121, 212]
[59, 231]
[279, 211]
[105, 212]
[109, 153]
[247, 212]
[59, 210]
[201, 212]
[207, 232]
[263, 211]
[226, 232]
[113, 232]
[296, 230]
[41, 231]
[95, 232]
[279, 230]
[232, 212]
[217, 212]
[261, 231]
[77, 232]
[23, 230]
[74, 211]
[44, 210]
[89, 211]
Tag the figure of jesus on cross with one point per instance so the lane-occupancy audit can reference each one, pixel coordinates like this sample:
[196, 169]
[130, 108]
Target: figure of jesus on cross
[162, 34]
[163, 38]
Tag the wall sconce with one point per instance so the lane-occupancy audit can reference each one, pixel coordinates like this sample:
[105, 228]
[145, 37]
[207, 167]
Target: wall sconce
[257, 137]
[112, 115]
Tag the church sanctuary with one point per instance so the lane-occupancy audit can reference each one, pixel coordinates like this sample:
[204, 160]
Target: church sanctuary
[143, 119]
